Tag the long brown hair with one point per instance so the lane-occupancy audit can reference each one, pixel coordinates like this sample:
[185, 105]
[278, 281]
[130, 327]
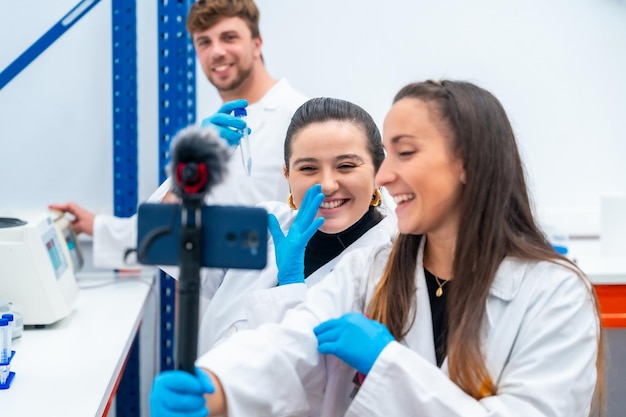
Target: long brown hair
[496, 221]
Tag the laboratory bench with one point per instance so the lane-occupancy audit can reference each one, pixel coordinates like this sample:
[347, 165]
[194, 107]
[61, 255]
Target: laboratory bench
[71, 368]
[608, 275]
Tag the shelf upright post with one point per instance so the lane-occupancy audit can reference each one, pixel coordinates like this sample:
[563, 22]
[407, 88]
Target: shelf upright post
[177, 109]
[125, 184]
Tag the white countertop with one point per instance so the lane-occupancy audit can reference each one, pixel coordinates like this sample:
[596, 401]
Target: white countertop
[70, 368]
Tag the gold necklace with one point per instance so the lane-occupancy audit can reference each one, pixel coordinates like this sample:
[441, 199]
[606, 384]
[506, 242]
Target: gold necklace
[439, 291]
[440, 282]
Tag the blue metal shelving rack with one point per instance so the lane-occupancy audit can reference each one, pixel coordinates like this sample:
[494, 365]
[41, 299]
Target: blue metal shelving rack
[124, 38]
[124, 107]
[177, 109]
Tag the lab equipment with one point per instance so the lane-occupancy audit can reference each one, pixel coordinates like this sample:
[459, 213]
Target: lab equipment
[244, 144]
[290, 249]
[6, 354]
[557, 238]
[5, 350]
[72, 248]
[5, 341]
[613, 225]
[35, 271]
[9, 317]
[354, 339]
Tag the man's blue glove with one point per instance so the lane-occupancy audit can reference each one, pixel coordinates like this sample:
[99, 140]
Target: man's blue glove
[228, 126]
[290, 249]
[180, 394]
[354, 339]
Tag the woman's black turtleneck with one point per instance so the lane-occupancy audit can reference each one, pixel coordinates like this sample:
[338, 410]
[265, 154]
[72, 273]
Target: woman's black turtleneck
[323, 246]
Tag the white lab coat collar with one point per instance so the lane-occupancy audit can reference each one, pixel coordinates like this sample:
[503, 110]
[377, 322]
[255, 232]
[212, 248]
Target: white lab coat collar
[508, 278]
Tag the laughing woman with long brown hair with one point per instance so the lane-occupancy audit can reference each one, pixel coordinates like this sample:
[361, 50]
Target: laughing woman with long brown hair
[470, 312]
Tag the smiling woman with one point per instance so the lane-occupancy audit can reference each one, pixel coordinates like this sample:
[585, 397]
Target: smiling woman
[512, 330]
[324, 146]
[333, 150]
[421, 173]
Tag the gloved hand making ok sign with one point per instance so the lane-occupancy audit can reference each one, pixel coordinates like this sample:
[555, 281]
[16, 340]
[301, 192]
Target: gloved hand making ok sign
[354, 339]
[229, 127]
[290, 249]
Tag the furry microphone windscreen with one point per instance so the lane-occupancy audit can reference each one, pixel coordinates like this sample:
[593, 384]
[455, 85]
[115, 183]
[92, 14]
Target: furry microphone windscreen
[199, 161]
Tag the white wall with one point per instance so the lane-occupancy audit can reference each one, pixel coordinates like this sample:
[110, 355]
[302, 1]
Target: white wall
[56, 115]
[58, 110]
[558, 67]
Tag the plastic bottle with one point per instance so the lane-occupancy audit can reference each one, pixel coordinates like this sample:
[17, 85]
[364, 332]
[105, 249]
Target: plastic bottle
[11, 321]
[5, 341]
[244, 145]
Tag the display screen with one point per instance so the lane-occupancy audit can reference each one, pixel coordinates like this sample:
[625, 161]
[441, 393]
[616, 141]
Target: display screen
[54, 254]
[53, 247]
[72, 245]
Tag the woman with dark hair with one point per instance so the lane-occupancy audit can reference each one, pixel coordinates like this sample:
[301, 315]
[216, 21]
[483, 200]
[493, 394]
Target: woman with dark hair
[332, 152]
[470, 312]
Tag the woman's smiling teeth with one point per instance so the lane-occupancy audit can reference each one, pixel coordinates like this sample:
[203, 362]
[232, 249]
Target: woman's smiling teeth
[332, 204]
[401, 198]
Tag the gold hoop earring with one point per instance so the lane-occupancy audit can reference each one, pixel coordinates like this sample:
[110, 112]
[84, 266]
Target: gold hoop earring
[290, 202]
[376, 198]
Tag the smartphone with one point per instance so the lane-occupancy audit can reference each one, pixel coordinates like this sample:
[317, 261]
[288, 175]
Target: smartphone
[232, 236]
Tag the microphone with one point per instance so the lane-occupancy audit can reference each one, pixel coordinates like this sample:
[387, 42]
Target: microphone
[199, 158]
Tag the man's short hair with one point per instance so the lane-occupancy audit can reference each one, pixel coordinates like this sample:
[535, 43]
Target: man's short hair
[204, 14]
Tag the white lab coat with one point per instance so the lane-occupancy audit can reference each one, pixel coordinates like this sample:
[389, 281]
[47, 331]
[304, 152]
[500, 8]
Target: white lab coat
[268, 119]
[249, 298]
[540, 347]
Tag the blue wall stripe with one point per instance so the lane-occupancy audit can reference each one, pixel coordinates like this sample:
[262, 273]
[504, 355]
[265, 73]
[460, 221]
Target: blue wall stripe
[48, 38]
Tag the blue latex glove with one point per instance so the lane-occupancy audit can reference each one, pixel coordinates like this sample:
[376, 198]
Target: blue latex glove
[228, 126]
[289, 249]
[179, 393]
[354, 339]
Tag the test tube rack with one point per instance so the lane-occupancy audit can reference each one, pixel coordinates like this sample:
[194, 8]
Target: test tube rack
[7, 383]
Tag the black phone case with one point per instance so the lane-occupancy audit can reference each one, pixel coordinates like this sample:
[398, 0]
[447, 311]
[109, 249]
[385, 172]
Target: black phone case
[232, 236]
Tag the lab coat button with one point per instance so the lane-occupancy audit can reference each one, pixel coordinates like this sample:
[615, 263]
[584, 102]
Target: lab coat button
[231, 330]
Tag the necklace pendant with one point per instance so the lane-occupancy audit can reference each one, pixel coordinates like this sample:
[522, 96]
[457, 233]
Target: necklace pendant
[439, 292]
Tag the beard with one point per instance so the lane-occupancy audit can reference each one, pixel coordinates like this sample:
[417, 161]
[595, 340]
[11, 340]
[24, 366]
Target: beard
[241, 77]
